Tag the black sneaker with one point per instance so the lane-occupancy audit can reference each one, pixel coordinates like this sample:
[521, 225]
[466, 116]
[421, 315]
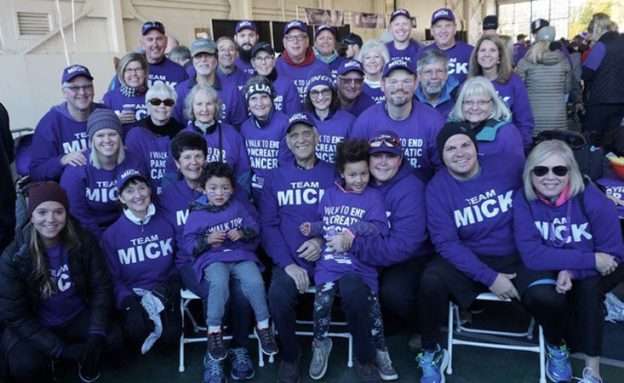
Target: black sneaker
[267, 340]
[367, 372]
[213, 371]
[289, 372]
[216, 348]
[242, 367]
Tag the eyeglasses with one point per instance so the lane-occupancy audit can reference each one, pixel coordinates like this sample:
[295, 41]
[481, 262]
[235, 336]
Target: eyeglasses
[78, 88]
[157, 102]
[295, 38]
[472, 103]
[559, 171]
[351, 81]
[264, 58]
[386, 140]
[320, 93]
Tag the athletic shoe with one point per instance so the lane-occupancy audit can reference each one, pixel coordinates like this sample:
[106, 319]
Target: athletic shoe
[213, 371]
[367, 372]
[87, 377]
[433, 365]
[289, 372]
[242, 367]
[558, 367]
[216, 348]
[588, 376]
[267, 340]
[384, 366]
[615, 308]
[320, 358]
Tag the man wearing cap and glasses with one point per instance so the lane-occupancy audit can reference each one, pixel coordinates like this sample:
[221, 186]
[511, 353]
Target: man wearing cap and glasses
[402, 46]
[298, 61]
[443, 29]
[349, 88]
[154, 43]
[205, 62]
[417, 125]
[325, 47]
[61, 135]
[246, 37]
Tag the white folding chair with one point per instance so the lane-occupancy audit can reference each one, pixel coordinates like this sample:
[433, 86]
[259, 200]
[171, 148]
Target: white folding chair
[186, 297]
[455, 327]
[331, 334]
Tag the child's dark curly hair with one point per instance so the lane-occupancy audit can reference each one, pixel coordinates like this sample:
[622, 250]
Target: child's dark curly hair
[351, 150]
[217, 169]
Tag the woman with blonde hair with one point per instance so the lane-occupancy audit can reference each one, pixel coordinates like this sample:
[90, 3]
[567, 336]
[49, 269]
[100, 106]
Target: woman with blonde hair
[373, 56]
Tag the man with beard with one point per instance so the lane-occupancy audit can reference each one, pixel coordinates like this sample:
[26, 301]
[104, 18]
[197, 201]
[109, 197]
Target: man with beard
[435, 87]
[416, 125]
[246, 37]
[154, 43]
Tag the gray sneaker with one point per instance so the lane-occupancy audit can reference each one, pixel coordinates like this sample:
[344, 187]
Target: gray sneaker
[320, 357]
[384, 366]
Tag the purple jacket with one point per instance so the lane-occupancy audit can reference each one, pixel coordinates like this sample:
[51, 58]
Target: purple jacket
[515, 95]
[167, 71]
[459, 58]
[139, 255]
[473, 218]
[290, 197]
[115, 99]
[409, 54]
[56, 134]
[566, 237]
[298, 75]
[92, 193]
[331, 131]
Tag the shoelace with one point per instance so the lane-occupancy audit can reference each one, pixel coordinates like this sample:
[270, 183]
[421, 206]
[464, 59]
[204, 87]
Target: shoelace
[214, 368]
[216, 341]
[241, 357]
[558, 358]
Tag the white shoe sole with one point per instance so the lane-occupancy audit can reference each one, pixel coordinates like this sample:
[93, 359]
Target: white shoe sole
[322, 374]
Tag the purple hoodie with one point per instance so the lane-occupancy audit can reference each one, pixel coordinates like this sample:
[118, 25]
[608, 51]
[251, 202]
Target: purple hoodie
[459, 58]
[204, 219]
[566, 237]
[331, 131]
[299, 75]
[501, 140]
[515, 95]
[614, 187]
[92, 193]
[167, 71]
[404, 197]
[290, 197]
[418, 133]
[56, 134]
[364, 215]
[473, 218]
[116, 100]
[139, 255]
[409, 54]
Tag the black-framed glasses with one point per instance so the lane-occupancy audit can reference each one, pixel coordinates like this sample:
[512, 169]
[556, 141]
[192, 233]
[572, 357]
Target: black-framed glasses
[559, 171]
[386, 140]
[158, 101]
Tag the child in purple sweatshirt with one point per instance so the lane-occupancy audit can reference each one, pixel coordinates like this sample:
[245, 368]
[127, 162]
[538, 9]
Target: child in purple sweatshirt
[221, 235]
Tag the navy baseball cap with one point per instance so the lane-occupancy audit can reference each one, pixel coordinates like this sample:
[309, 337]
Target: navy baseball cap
[295, 24]
[490, 22]
[442, 14]
[299, 118]
[398, 64]
[149, 25]
[385, 142]
[262, 46]
[129, 175]
[350, 66]
[538, 24]
[73, 71]
[400, 12]
[246, 24]
[326, 27]
[352, 39]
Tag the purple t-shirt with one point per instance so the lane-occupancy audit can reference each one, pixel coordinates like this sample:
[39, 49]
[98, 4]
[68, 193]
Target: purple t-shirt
[375, 94]
[166, 71]
[595, 57]
[360, 105]
[614, 187]
[331, 131]
[244, 66]
[286, 98]
[459, 58]
[236, 78]
[298, 75]
[409, 54]
[116, 100]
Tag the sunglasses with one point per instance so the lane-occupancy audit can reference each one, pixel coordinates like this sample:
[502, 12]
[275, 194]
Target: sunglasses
[157, 102]
[559, 171]
[388, 141]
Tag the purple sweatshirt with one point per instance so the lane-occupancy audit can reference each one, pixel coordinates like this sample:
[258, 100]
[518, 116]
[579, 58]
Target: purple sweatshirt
[167, 71]
[459, 58]
[364, 215]
[418, 133]
[613, 187]
[204, 219]
[175, 201]
[501, 140]
[236, 78]
[566, 237]
[473, 218]
[116, 100]
[233, 106]
[331, 131]
[66, 303]
[375, 94]
[92, 193]
[56, 134]
[286, 98]
[404, 202]
[139, 255]
[515, 95]
[290, 197]
[299, 75]
[244, 66]
[409, 54]
[361, 103]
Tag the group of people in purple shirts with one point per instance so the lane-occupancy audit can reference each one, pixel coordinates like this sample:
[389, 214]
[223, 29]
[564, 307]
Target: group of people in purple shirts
[426, 188]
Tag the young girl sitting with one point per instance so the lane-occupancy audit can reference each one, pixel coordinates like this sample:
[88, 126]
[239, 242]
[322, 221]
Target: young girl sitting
[347, 210]
[221, 235]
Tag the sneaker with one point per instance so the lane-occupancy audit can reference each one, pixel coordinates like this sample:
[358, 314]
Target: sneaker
[384, 366]
[289, 372]
[87, 377]
[589, 377]
[433, 365]
[320, 357]
[615, 308]
[367, 372]
[216, 348]
[558, 367]
[213, 371]
[267, 340]
[242, 367]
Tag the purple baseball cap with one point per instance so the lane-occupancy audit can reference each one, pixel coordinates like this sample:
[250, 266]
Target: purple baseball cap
[299, 118]
[400, 12]
[442, 14]
[398, 64]
[350, 66]
[129, 175]
[385, 142]
[73, 71]
[319, 79]
[246, 24]
[326, 27]
[295, 24]
[149, 25]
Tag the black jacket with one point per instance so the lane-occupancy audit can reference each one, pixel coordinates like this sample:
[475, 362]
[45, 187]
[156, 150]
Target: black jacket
[20, 295]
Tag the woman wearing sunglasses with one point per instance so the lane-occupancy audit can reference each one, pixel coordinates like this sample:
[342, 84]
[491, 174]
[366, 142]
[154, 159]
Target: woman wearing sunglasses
[568, 231]
[150, 141]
